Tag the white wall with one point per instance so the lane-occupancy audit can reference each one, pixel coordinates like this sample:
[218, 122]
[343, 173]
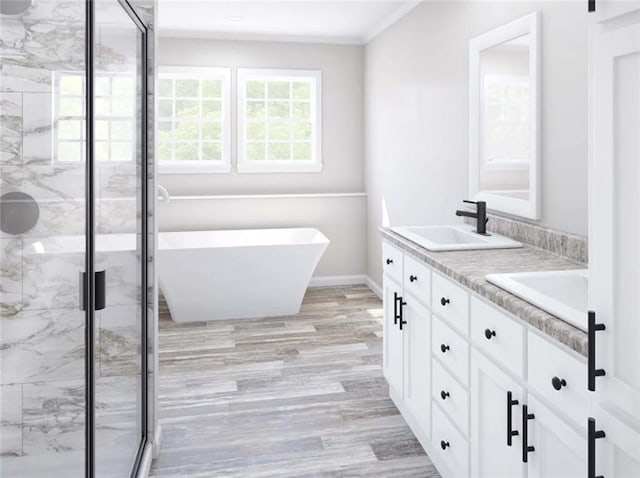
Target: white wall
[416, 114]
[342, 220]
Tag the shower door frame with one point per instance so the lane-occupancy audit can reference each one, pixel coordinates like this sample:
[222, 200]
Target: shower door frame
[90, 235]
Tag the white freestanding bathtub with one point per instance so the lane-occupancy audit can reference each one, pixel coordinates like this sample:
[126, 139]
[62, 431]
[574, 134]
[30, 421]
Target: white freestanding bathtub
[213, 275]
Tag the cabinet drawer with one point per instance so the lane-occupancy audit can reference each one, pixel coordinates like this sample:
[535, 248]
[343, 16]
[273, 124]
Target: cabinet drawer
[558, 377]
[497, 335]
[417, 280]
[451, 396]
[392, 262]
[452, 447]
[451, 349]
[451, 303]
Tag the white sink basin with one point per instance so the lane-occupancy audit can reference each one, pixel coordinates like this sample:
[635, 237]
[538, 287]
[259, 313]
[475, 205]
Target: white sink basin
[453, 238]
[561, 293]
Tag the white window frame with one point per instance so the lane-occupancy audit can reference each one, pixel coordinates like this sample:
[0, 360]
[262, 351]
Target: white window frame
[284, 166]
[202, 166]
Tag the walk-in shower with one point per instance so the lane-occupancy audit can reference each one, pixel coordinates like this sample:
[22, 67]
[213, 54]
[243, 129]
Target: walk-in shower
[75, 243]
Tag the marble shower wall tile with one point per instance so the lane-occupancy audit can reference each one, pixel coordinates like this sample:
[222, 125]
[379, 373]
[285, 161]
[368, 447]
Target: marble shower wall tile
[54, 417]
[42, 345]
[10, 277]
[10, 420]
[38, 128]
[45, 182]
[118, 216]
[50, 280]
[10, 128]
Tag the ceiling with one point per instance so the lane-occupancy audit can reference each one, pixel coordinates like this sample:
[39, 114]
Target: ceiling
[350, 21]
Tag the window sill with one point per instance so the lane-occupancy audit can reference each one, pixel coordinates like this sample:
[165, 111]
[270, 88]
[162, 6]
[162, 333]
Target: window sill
[274, 167]
[191, 168]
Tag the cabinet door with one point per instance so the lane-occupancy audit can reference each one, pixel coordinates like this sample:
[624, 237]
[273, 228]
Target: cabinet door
[559, 451]
[614, 255]
[491, 457]
[617, 454]
[417, 362]
[607, 10]
[393, 346]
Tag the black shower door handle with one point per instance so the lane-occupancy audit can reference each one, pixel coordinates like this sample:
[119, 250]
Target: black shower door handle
[100, 287]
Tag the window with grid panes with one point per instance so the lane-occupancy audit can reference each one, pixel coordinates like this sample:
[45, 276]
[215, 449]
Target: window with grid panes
[194, 120]
[114, 110]
[279, 118]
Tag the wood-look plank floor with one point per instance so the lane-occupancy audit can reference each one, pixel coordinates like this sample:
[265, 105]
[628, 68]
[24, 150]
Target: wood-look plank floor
[299, 396]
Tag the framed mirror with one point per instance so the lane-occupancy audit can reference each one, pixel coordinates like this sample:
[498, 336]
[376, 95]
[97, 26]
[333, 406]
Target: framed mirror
[504, 98]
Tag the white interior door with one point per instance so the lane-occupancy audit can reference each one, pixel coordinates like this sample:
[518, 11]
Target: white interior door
[491, 457]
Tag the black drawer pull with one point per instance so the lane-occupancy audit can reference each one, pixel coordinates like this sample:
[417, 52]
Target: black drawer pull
[413, 278]
[444, 348]
[510, 431]
[526, 448]
[444, 444]
[395, 307]
[558, 383]
[444, 301]
[389, 261]
[592, 371]
[592, 436]
[444, 394]
[488, 333]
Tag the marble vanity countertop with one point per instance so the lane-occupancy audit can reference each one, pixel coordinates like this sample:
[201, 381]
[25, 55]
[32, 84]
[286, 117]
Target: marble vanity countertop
[470, 267]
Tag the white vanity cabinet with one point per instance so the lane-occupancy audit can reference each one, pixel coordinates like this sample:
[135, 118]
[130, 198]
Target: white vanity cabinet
[406, 335]
[614, 235]
[462, 371]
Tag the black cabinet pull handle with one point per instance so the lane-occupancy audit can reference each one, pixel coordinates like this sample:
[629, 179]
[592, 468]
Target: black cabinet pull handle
[444, 444]
[510, 431]
[558, 383]
[395, 308]
[444, 348]
[389, 261]
[591, 6]
[444, 301]
[526, 448]
[592, 371]
[413, 278]
[488, 333]
[592, 436]
[444, 394]
[401, 320]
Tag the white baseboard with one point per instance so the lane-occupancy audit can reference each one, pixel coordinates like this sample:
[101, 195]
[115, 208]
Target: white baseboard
[328, 281]
[377, 290]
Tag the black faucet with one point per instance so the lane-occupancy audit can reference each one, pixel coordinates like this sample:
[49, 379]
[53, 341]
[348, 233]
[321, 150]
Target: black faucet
[480, 216]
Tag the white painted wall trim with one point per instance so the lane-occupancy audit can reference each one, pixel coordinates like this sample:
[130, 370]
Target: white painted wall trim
[268, 196]
[377, 290]
[328, 281]
[261, 37]
[390, 20]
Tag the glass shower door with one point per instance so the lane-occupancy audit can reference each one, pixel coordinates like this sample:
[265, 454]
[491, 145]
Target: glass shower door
[42, 238]
[119, 94]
